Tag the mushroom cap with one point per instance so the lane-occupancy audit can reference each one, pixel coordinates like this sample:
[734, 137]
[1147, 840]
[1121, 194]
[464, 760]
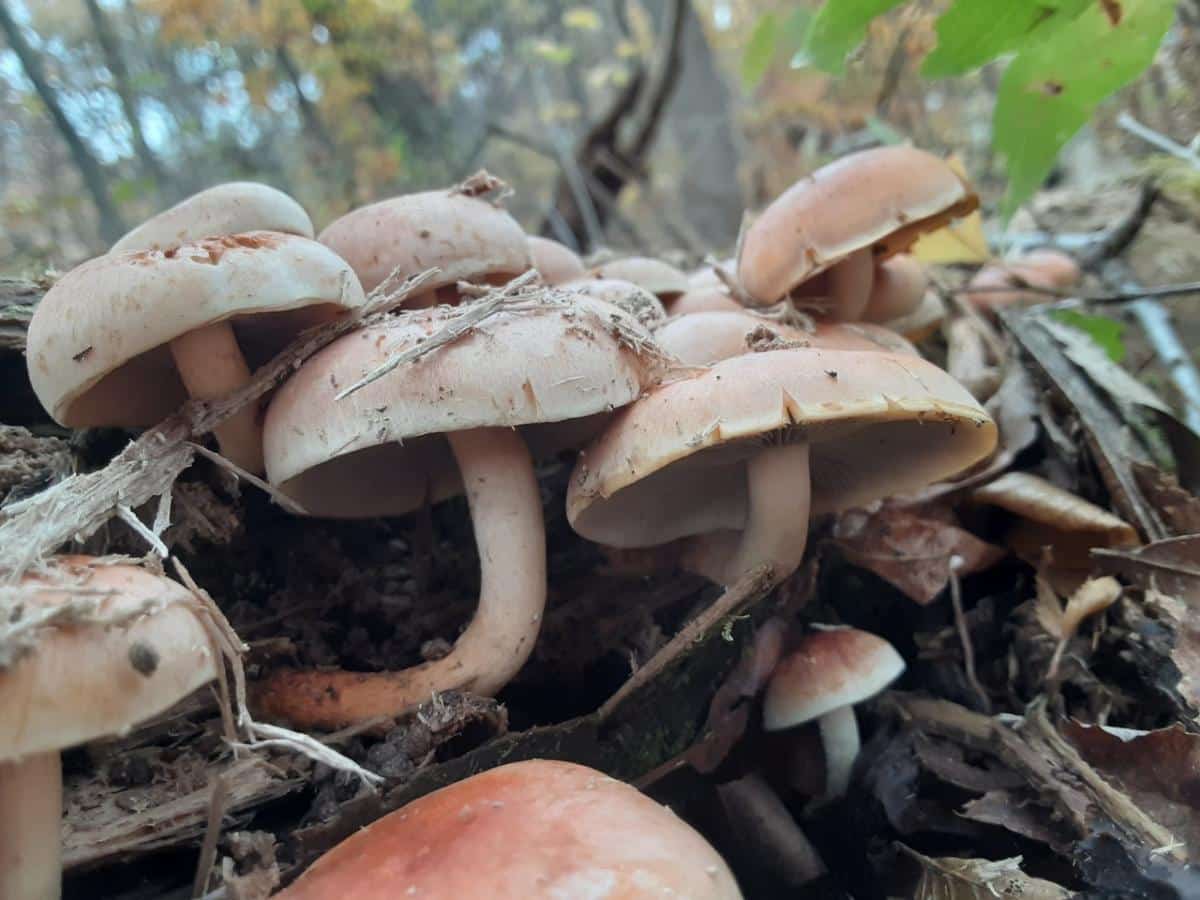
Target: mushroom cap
[98, 345]
[704, 338]
[534, 830]
[922, 321]
[80, 681]
[231, 208]
[828, 670]
[659, 278]
[469, 239]
[378, 451]
[883, 198]
[555, 262]
[1040, 268]
[637, 301]
[674, 463]
[900, 285]
[704, 298]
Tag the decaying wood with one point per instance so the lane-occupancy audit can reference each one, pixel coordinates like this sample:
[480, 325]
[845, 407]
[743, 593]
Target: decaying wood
[18, 296]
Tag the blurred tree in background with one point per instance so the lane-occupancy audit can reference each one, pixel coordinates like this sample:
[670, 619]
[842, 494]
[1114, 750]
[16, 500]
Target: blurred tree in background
[648, 123]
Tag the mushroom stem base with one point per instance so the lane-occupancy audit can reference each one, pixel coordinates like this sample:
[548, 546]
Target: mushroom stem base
[211, 366]
[506, 511]
[839, 737]
[30, 827]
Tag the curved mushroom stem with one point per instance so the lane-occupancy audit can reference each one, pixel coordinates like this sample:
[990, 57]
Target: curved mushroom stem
[850, 283]
[30, 827]
[211, 366]
[776, 529]
[506, 511]
[839, 737]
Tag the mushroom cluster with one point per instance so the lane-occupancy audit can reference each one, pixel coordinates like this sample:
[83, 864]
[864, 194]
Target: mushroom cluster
[712, 413]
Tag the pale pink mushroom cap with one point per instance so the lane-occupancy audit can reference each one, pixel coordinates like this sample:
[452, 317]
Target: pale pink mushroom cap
[1039, 268]
[98, 345]
[555, 262]
[232, 208]
[705, 298]
[922, 321]
[659, 278]
[829, 670]
[537, 830]
[467, 238]
[640, 303]
[880, 199]
[900, 285]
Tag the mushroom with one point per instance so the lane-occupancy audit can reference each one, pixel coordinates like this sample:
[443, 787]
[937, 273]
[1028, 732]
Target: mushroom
[923, 321]
[661, 279]
[998, 285]
[130, 647]
[899, 286]
[728, 456]
[637, 301]
[841, 220]
[467, 238]
[830, 671]
[232, 208]
[535, 830]
[124, 339]
[424, 430]
[555, 262]
[705, 298]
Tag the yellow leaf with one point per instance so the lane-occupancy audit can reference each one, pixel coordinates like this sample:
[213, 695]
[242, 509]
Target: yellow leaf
[581, 18]
[961, 241]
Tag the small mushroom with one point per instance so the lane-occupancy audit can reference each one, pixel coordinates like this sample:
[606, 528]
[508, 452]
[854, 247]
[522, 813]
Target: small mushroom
[232, 208]
[899, 286]
[637, 301]
[555, 262]
[923, 321]
[998, 285]
[661, 279]
[705, 298]
[438, 425]
[830, 671]
[535, 830]
[467, 238]
[843, 219]
[82, 680]
[124, 339]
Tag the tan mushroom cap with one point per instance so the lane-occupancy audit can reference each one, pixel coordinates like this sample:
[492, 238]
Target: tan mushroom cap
[98, 349]
[705, 298]
[882, 199]
[637, 301]
[555, 262]
[1038, 268]
[232, 208]
[467, 238]
[828, 670]
[79, 682]
[899, 287]
[922, 321]
[536, 830]
[659, 278]
[704, 338]
[378, 450]
[674, 464]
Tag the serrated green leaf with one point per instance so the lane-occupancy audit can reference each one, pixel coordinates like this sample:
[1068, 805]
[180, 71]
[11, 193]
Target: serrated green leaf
[1054, 84]
[974, 32]
[1108, 333]
[839, 27]
[760, 50]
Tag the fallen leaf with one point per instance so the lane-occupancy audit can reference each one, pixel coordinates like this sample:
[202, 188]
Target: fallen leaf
[912, 551]
[1019, 813]
[951, 878]
[962, 241]
[1086, 353]
[1178, 507]
[1171, 566]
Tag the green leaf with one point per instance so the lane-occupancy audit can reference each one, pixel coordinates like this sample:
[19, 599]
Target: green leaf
[974, 32]
[838, 28]
[1054, 84]
[1108, 333]
[760, 50]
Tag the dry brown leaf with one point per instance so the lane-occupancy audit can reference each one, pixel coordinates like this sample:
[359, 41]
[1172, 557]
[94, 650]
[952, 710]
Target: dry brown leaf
[1179, 508]
[951, 878]
[912, 550]
[1171, 566]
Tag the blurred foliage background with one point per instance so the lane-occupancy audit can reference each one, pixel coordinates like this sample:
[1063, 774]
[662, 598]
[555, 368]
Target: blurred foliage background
[632, 123]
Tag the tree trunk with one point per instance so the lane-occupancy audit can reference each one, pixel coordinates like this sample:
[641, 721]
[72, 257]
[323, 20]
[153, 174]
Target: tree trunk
[115, 61]
[111, 226]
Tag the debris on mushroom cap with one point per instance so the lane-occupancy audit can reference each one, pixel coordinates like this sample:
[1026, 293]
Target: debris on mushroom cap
[555, 262]
[625, 295]
[900, 285]
[231, 208]
[467, 238]
[659, 278]
[79, 681]
[673, 464]
[551, 358]
[882, 199]
[529, 830]
[98, 342]
[1040, 268]
[829, 669]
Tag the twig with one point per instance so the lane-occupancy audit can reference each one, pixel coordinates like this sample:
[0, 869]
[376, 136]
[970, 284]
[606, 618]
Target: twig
[964, 634]
[1115, 240]
[129, 517]
[1156, 139]
[286, 503]
[273, 736]
[217, 804]
[1126, 295]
